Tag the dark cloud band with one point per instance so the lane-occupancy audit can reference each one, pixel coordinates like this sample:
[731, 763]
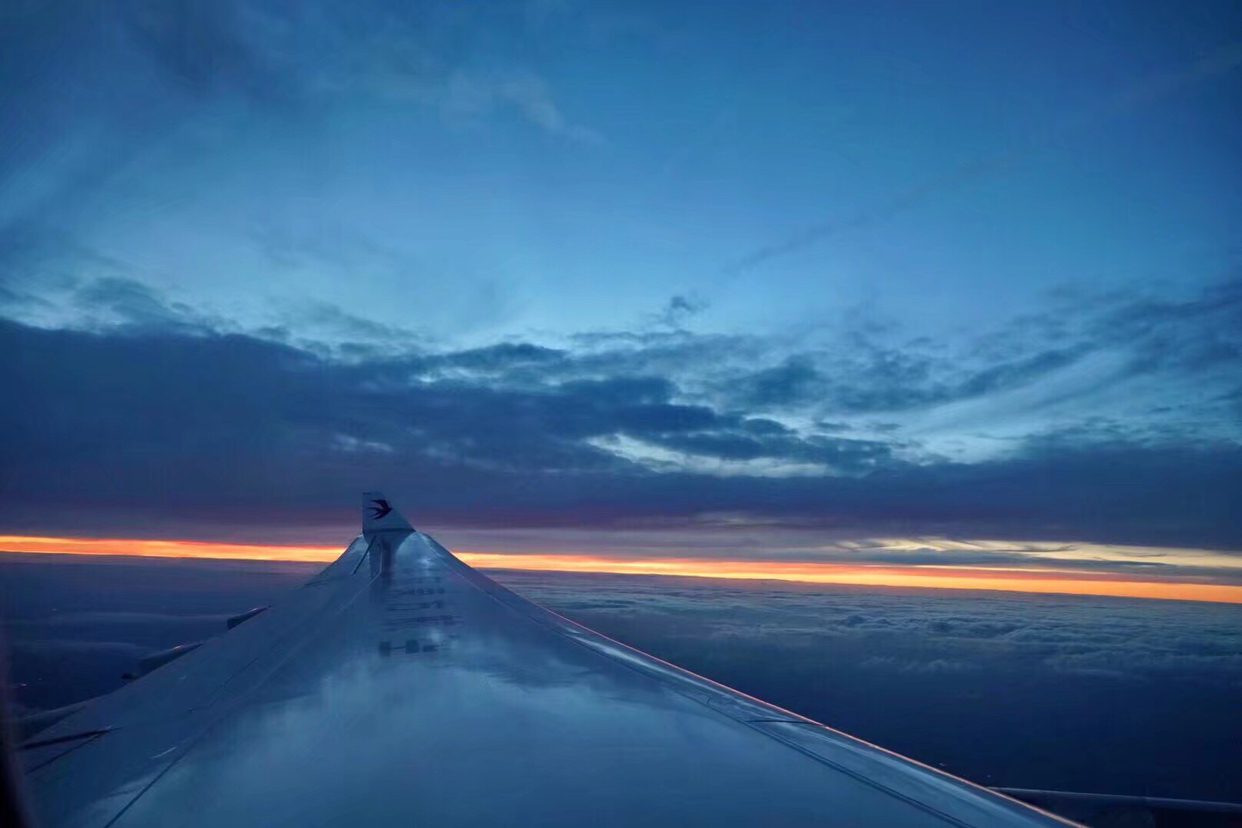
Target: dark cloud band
[179, 424]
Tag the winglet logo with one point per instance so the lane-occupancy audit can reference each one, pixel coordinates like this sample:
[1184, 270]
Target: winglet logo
[379, 508]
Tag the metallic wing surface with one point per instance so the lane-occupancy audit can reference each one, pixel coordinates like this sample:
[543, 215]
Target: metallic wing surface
[402, 687]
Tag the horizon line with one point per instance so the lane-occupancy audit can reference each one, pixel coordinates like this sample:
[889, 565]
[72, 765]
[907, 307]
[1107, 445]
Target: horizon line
[998, 578]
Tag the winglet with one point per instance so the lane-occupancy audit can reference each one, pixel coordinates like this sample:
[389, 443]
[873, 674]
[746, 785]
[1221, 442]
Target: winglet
[378, 515]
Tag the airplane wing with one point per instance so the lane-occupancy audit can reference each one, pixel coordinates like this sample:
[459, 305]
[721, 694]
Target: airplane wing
[402, 687]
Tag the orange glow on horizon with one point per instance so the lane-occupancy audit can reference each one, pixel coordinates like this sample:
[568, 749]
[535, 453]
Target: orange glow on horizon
[998, 578]
[138, 548]
[995, 578]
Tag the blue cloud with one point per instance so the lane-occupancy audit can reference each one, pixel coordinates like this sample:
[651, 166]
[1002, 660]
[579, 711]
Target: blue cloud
[162, 410]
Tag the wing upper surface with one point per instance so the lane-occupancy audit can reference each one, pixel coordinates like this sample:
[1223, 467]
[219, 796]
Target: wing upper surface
[400, 687]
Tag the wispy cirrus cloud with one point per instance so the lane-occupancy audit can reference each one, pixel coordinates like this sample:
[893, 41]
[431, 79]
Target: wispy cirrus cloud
[1221, 60]
[149, 75]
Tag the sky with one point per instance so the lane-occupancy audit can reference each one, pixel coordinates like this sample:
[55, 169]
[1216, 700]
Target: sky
[898, 285]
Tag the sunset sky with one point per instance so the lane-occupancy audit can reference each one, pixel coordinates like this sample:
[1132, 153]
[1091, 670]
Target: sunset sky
[894, 293]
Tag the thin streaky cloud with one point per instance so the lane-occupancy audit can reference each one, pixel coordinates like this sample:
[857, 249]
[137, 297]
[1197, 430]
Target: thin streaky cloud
[1219, 62]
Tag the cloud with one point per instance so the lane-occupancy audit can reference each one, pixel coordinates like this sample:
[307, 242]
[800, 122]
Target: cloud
[204, 44]
[917, 631]
[680, 309]
[533, 99]
[114, 301]
[97, 620]
[936, 665]
[872, 377]
[1004, 689]
[78, 649]
[793, 381]
[152, 407]
[146, 75]
[462, 61]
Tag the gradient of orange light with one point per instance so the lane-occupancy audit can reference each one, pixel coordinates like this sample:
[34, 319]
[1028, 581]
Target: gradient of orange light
[830, 573]
[140, 548]
[997, 578]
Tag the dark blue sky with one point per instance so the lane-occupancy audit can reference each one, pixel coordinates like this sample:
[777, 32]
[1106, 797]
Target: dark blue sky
[966, 270]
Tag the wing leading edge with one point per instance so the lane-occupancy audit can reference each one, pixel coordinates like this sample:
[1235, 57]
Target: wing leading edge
[400, 686]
